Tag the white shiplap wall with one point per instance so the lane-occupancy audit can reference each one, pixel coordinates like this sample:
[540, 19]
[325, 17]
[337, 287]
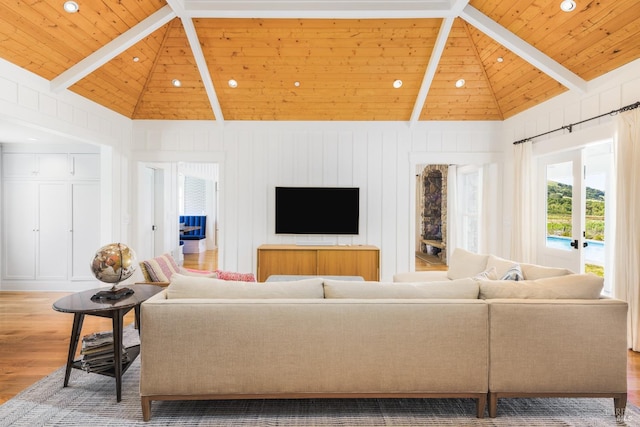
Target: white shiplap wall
[255, 157]
[614, 90]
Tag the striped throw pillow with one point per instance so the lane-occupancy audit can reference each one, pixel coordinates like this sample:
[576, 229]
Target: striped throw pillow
[160, 269]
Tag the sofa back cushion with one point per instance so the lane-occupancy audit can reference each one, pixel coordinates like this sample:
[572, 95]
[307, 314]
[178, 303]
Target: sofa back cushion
[529, 271]
[199, 287]
[464, 264]
[449, 289]
[571, 286]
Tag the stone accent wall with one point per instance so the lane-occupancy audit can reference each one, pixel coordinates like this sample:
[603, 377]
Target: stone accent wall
[434, 209]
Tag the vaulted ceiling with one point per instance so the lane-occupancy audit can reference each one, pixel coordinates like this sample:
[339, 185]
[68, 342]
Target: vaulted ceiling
[319, 59]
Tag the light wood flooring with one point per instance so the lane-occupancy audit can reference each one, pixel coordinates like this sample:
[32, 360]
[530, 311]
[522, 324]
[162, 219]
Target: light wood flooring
[34, 338]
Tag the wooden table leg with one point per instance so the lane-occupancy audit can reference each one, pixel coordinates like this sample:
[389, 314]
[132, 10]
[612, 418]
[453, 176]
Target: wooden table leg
[137, 312]
[78, 318]
[117, 351]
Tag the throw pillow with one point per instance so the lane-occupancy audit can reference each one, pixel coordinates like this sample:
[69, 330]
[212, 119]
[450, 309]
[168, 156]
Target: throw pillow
[159, 269]
[488, 274]
[464, 264]
[239, 277]
[202, 287]
[197, 273]
[449, 289]
[514, 273]
[571, 286]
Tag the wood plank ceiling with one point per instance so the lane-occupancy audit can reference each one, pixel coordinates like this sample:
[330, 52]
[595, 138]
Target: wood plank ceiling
[318, 62]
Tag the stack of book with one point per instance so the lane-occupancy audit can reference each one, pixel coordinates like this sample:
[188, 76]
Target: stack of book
[97, 352]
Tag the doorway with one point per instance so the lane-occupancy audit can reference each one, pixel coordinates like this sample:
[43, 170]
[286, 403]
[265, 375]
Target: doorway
[573, 192]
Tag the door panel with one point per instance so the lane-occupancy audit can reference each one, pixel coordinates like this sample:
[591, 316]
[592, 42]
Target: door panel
[19, 207]
[53, 231]
[85, 235]
[562, 221]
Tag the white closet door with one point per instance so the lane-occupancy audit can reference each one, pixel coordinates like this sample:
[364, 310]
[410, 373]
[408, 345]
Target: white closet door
[53, 231]
[85, 217]
[19, 249]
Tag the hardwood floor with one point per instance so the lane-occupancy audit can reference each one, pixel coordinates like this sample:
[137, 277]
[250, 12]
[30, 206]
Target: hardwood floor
[34, 338]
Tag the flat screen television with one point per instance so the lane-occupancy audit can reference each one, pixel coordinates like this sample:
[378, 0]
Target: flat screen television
[317, 210]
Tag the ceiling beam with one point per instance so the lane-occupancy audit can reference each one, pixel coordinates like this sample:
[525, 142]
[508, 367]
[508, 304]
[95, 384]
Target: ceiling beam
[110, 50]
[524, 50]
[316, 9]
[201, 62]
[430, 72]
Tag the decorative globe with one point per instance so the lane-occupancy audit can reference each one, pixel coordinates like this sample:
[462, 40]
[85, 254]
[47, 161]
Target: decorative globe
[114, 263]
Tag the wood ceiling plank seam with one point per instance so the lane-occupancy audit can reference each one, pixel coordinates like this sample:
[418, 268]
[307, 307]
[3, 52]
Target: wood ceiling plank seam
[569, 47]
[53, 45]
[165, 33]
[203, 68]
[521, 100]
[529, 53]
[62, 27]
[131, 12]
[484, 72]
[430, 71]
[112, 49]
[519, 82]
[22, 53]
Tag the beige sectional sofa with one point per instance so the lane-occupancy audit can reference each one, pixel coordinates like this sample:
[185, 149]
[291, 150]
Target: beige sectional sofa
[550, 334]
[206, 339]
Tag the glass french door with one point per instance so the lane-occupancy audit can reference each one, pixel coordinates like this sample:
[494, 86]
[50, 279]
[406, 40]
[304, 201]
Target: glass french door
[573, 198]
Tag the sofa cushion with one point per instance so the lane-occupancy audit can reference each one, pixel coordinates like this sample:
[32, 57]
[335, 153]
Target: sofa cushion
[464, 264]
[201, 287]
[534, 272]
[159, 269]
[449, 289]
[571, 286]
[529, 271]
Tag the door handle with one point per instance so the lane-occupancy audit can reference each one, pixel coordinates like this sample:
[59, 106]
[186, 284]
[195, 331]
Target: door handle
[574, 244]
[585, 244]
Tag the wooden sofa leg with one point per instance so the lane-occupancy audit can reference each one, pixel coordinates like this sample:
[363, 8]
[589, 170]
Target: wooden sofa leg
[493, 405]
[481, 403]
[620, 405]
[146, 407]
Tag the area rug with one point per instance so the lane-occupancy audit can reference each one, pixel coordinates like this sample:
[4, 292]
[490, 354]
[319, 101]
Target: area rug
[90, 400]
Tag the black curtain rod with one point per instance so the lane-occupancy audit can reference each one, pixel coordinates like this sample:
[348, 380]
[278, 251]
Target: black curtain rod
[570, 127]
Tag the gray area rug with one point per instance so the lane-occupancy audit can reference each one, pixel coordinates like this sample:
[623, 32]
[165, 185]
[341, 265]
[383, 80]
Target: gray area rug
[90, 401]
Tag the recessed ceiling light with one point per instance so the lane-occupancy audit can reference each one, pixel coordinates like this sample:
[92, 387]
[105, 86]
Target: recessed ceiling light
[176, 82]
[500, 59]
[397, 84]
[233, 84]
[460, 83]
[296, 84]
[71, 7]
[136, 59]
[567, 5]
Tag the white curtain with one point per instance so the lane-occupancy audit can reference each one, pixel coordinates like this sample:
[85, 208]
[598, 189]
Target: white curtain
[453, 226]
[522, 233]
[488, 242]
[626, 284]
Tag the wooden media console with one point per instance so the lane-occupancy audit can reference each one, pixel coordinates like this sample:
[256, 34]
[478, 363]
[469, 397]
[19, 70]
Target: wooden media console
[356, 260]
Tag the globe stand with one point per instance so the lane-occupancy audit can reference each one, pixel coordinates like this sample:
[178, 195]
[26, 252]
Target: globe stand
[112, 294]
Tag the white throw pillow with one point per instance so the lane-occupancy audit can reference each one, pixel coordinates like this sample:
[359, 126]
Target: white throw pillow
[464, 264]
[449, 289]
[488, 274]
[201, 287]
[571, 286]
[514, 273]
